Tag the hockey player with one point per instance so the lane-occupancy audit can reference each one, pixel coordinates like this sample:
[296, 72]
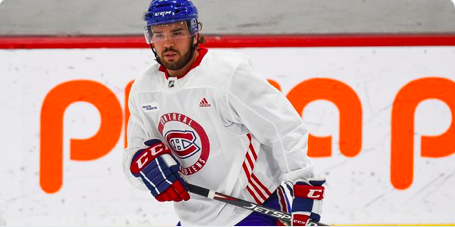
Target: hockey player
[208, 118]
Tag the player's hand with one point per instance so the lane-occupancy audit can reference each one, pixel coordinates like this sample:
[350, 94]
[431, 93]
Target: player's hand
[159, 171]
[307, 203]
[303, 200]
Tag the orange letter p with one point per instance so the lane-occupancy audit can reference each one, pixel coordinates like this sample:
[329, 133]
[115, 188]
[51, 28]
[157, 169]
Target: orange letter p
[52, 113]
[403, 110]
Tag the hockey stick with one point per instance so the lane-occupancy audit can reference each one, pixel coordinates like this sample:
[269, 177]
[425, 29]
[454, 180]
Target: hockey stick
[283, 216]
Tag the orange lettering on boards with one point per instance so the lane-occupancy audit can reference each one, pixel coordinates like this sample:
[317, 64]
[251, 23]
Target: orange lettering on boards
[402, 141]
[275, 84]
[127, 111]
[349, 106]
[52, 117]
[344, 97]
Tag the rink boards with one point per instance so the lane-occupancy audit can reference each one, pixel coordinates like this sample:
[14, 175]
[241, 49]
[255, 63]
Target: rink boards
[380, 120]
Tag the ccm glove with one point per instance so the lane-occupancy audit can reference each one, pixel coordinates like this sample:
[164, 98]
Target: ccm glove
[303, 200]
[307, 203]
[159, 171]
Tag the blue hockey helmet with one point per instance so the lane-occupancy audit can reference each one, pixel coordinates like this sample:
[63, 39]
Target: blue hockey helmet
[163, 12]
[170, 11]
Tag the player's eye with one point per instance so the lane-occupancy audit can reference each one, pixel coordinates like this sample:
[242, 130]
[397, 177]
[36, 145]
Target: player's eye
[158, 36]
[177, 34]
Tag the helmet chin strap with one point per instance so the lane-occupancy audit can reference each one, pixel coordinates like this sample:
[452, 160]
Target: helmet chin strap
[157, 59]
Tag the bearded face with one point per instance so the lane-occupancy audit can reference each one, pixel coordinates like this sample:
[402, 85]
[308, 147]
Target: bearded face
[174, 59]
[172, 43]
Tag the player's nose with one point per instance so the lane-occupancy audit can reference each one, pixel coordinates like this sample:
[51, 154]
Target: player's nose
[168, 43]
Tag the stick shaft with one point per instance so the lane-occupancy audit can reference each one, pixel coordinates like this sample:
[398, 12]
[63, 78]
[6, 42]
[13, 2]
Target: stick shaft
[283, 216]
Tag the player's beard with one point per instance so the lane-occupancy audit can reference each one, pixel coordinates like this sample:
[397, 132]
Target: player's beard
[180, 63]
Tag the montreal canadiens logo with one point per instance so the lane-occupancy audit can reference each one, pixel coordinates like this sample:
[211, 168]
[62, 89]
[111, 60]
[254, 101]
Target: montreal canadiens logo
[187, 140]
[183, 143]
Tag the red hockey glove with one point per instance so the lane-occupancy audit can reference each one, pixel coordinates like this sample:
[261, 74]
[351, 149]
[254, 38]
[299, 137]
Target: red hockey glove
[307, 202]
[303, 199]
[159, 171]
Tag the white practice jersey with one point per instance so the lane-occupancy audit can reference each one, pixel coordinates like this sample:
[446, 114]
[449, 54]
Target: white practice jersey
[231, 131]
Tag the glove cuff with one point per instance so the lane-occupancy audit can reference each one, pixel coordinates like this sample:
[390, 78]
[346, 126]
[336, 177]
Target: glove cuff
[300, 218]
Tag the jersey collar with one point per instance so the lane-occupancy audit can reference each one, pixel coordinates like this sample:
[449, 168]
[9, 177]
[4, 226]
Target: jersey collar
[202, 52]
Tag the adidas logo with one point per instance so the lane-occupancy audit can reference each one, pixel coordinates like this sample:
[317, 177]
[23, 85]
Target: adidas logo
[204, 103]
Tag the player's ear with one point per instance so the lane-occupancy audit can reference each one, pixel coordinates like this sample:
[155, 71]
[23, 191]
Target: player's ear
[195, 39]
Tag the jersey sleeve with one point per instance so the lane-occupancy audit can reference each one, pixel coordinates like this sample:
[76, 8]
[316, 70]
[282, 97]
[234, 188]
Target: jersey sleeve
[136, 136]
[271, 118]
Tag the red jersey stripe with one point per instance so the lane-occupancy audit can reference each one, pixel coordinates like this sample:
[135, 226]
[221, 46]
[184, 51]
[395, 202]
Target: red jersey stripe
[261, 185]
[254, 184]
[251, 147]
[248, 158]
[258, 191]
[253, 195]
[247, 172]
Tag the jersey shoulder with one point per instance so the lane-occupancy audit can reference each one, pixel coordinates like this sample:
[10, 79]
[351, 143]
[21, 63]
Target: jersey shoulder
[229, 59]
[236, 65]
[147, 81]
[219, 67]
